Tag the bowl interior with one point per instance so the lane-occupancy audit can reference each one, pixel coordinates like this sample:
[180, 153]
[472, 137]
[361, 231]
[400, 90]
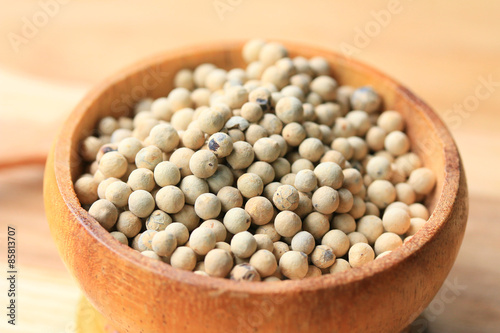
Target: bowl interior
[154, 78]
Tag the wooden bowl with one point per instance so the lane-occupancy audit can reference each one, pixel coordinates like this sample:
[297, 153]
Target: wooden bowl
[137, 294]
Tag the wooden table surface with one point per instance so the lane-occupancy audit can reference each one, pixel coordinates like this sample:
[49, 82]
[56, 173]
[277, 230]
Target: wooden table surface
[447, 53]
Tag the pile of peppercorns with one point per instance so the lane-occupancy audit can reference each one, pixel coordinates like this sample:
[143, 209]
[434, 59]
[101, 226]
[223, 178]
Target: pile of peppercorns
[266, 173]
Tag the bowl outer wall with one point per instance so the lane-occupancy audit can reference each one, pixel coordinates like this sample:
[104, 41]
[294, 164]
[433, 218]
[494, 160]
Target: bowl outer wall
[136, 294]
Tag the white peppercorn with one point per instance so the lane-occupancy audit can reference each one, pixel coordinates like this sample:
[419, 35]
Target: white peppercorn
[270, 230]
[323, 256]
[202, 240]
[182, 119]
[164, 243]
[371, 209]
[166, 173]
[343, 128]
[146, 239]
[180, 231]
[119, 237]
[346, 201]
[279, 248]
[264, 170]
[396, 220]
[337, 240]
[419, 210]
[360, 120]
[250, 185]
[303, 241]
[286, 197]
[325, 200]
[104, 212]
[113, 164]
[305, 205]
[141, 203]
[181, 158]
[118, 193]
[158, 220]
[371, 226]
[264, 242]
[220, 144]
[244, 272]
[317, 224]
[141, 179]
[381, 193]
[325, 86]
[379, 167]
[218, 263]
[187, 216]
[311, 149]
[86, 190]
[391, 121]
[236, 220]
[319, 66]
[203, 163]
[243, 245]
[229, 197]
[358, 207]
[360, 254]
[207, 206]
[294, 133]
[366, 99]
[344, 222]
[341, 145]
[103, 185]
[260, 210]
[242, 155]
[329, 174]
[289, 109]
[287, 223]
[416, 223]
[422, 180]
[148, 157]
[305, 181]
[179, 98]
[128, 224]
[170, 199]
[388, 241]
[165, 137]
[340, 265]
[184, 258]
[193, 138]
[397, 143]
[293, 265]
[264, 262]
[150, 254]
[375, 138]
[356, 237]
[267, 149]
[192, 187]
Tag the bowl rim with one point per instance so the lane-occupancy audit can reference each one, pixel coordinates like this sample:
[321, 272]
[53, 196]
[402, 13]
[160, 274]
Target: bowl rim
[437, 220]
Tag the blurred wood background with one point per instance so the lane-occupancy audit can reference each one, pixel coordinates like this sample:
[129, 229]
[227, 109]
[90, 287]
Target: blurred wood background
[53, 51]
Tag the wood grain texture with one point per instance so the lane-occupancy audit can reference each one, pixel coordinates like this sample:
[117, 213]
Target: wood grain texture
[385, 296]
[438, 49]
